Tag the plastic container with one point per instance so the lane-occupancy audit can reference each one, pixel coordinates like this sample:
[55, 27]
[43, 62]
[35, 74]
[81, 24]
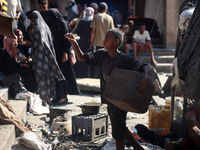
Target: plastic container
[159, 119]
[122, 91]
[178, 109]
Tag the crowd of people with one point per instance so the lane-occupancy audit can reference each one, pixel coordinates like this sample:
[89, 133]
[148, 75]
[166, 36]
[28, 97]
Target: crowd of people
[43, 54]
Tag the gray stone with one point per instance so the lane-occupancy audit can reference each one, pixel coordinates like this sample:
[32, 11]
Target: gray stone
[7, 136]
[4, 92]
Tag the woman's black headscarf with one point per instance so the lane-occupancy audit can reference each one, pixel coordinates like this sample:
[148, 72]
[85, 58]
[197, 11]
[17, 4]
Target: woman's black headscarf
[55, 21]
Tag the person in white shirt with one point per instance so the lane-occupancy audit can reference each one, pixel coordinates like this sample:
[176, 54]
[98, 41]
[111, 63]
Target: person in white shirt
[142, 41]
[14, 10]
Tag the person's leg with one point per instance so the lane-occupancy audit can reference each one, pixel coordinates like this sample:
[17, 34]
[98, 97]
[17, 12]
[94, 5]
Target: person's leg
[153, 61]
[118, 123]
[129, 136]
[43, 88]
[127, 49]
[60, 92]
[119, 144]
[134, 45]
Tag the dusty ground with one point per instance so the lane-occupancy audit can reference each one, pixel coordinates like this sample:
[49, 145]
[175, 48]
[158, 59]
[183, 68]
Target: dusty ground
[74, 100]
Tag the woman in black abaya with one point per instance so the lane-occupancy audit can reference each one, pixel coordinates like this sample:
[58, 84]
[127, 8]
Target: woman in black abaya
[59, 27]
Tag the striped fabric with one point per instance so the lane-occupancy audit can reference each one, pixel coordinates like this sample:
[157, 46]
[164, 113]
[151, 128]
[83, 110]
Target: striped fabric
[4, 7]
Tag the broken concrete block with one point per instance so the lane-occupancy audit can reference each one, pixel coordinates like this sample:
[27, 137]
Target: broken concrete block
[158, 100]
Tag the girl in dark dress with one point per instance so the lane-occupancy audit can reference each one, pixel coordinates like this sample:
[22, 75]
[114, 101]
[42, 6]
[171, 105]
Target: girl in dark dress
[82, 70]
[59, 27]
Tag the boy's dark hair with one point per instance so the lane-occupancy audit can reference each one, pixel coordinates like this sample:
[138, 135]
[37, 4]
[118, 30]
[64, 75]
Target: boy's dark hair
[142, 24]
[42, 1]
[117, 34]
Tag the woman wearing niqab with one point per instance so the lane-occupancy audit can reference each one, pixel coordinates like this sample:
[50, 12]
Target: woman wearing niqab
[44, 59]
[59, 27]
[82, 70]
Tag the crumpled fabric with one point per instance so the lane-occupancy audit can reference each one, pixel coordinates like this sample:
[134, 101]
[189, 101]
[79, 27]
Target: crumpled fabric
[7, 116]
[176, 81]
[147, 146]
[31, 140]
[184, 19]
[193, 120]
[188, 57]
[149, 136]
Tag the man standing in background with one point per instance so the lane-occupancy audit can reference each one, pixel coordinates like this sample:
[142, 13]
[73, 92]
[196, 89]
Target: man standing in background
[101, 23]
[43, 5]
[64, 5]
[14, 10]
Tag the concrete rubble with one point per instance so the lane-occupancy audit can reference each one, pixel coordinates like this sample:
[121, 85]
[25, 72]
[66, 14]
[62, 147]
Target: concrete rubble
[40, 124]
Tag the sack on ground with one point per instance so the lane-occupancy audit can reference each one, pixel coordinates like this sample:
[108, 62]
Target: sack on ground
[35, 103]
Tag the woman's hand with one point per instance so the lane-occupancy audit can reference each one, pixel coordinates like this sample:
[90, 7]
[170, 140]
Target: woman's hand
[142, 86]
[26, 43]
[65, 57]
[23, 60]
[24, 65]
[15, 51]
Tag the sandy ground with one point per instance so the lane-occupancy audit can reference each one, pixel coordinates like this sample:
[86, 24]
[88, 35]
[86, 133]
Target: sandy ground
[74, 100]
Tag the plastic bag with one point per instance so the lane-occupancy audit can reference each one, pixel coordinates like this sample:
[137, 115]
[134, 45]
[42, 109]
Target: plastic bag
[30, 139]
[35, 103]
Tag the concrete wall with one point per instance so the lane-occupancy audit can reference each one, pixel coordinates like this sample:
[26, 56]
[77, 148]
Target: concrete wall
[166, 13]
[171, 18]
[154, 9]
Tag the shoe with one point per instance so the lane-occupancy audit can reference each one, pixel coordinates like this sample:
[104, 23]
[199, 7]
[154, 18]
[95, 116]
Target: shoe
[61, 103]
[44, 104]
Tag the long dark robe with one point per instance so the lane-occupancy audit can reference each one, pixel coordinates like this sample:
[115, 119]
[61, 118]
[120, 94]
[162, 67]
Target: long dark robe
[188, 56]
[44, 59]
[82, 70]
[59, 27]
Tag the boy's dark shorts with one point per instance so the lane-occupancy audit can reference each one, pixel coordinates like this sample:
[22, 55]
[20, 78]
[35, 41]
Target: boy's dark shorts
[118, 121]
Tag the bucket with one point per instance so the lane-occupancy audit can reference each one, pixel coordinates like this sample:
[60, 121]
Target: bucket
[159, 118]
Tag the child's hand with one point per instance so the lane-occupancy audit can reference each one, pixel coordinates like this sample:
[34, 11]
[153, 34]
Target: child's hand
[142, 86]
[71, 39]
[65, 57]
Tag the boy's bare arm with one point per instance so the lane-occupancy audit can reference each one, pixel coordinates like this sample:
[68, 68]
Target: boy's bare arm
[143, 83]
[76, 47]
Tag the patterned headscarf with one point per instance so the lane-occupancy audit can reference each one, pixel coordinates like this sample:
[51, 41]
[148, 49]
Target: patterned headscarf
[7, 44]
[44, 58]
[89, 14]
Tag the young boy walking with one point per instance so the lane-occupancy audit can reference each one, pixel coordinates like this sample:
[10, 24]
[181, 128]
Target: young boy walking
[107, 59]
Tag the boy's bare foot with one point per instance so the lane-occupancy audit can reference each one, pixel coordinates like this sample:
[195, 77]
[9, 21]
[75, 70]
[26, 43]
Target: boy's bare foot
[154, 62]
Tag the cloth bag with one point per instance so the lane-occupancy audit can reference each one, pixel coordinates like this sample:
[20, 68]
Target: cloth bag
[122, 91]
